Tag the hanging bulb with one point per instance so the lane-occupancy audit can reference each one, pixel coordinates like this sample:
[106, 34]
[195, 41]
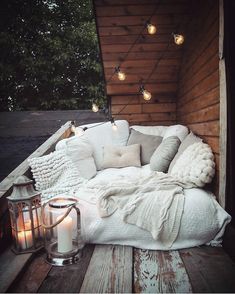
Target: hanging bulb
[121, 75]
[114, 126]
[151, 28]
[179, 39]
[73, 127]
[95, 107]
[146, 94]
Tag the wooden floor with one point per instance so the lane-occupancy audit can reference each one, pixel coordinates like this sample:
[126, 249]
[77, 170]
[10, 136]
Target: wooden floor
[22, 132]
[121, 269]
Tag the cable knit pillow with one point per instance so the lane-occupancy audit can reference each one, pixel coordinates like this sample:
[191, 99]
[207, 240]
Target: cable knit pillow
[196, 165]
[164, 154]
[121, 156]
[148, 144]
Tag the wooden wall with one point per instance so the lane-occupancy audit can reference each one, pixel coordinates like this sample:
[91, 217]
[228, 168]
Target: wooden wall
[198, 89]
[119, 23]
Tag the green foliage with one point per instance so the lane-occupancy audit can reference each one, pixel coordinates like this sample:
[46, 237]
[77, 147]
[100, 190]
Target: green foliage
[49, 56]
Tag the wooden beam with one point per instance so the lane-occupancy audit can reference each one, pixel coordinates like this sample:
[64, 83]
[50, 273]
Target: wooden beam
[68, 279]
[210, 269]
[109, 271]
[223, 109]
[11, 266]
[159, 272]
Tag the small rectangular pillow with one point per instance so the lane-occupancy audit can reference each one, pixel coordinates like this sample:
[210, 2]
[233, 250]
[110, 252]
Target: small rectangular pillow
[121, 156]
[148, 144]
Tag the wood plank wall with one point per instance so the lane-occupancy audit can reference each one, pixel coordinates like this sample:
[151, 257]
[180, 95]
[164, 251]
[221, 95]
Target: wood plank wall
[198, 90]
[119, 23]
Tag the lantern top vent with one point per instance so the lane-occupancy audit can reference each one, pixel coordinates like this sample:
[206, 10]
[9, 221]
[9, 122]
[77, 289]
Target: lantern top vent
[23, 189]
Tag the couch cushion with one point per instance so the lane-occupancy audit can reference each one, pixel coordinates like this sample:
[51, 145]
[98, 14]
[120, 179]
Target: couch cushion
[103, 135]
[164, 154]
[151, 130]
[189, 140]
[80, 153]
[121, 156]
[176, 130]
[148, 144]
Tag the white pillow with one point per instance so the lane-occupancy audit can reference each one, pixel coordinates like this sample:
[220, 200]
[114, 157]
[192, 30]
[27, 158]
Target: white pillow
[103, 135]
[80, 153]
[177, 130]
[121, 156]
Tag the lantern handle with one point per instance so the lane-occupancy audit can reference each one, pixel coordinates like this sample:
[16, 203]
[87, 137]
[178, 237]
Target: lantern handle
[59, 221]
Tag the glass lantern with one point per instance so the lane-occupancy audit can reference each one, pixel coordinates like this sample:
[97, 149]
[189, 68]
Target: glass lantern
[25, 213]
[61, 221]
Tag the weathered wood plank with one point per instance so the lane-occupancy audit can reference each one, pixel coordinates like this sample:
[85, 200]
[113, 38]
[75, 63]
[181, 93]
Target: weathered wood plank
[109, 271]
[209, 269]
[223, 113]
[134, 88]
[159, 272]
[67, 279]
[33, 276]
[11, 266]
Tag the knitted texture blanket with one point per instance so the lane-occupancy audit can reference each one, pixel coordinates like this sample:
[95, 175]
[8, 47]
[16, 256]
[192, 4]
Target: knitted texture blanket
[154, 203]
[55, 175]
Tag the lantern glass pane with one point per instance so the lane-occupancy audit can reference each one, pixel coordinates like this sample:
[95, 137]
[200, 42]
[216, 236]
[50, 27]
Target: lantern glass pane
[62, 235]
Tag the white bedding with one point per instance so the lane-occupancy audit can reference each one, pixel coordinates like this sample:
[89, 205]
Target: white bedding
[203, 220]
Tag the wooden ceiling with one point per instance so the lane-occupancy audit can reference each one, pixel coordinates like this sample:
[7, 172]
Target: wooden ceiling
[120, 24]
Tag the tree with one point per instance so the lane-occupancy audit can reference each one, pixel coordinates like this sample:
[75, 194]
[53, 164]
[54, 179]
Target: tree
[49, 56]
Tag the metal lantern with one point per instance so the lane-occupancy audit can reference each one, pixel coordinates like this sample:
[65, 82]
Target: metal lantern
[61, 221]
[25, 213]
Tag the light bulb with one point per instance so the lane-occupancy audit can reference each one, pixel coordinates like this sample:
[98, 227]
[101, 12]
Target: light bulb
[179, 39]
[146, 94]
[121, 75]
[151, 29]
[95, 107]
[73, 129]
[114, 126]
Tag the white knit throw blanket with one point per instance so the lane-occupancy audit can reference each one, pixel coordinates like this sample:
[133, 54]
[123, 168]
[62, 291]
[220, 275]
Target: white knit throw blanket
[155, 203]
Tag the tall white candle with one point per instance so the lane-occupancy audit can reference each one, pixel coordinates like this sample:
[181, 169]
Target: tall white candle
[65, 238]
[25, 239]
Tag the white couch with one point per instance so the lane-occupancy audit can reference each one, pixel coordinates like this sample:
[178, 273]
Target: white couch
[203, 221]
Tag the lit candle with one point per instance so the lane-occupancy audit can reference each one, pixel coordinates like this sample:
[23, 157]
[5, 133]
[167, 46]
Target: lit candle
[25, 239]
[64, 231]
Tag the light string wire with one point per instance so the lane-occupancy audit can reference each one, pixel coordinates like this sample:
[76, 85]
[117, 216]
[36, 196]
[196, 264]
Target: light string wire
[156, 64]
[134, 43]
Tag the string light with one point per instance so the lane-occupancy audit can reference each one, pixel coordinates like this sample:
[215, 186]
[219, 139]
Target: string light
[114, 126]
[73, 127]
[179, 39]
[146, 94]
[121, 75]
[151, 28]
[95, 107]
[76, 130]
